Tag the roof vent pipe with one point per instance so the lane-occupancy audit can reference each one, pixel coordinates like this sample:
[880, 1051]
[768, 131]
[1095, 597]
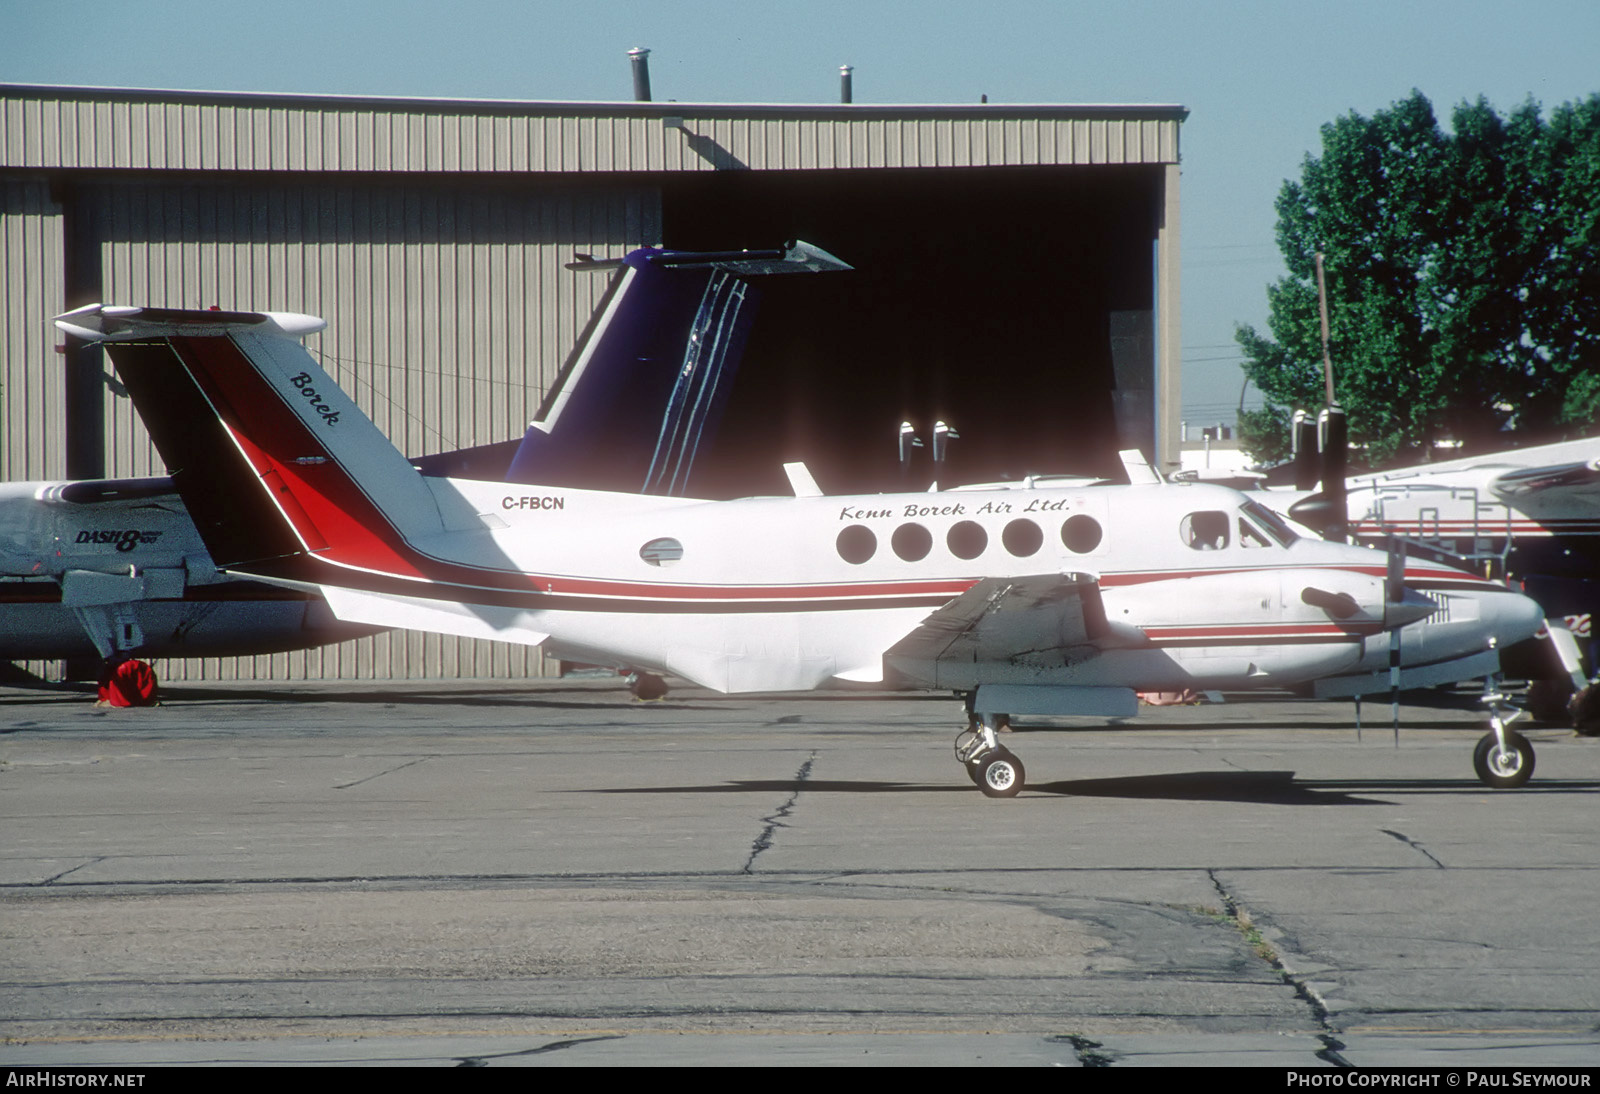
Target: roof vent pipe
[844, 83]
[641, 73]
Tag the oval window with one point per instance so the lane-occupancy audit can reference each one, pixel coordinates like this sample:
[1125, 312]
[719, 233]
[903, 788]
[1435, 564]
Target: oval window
[1022, 538]
[856, 544]
[911, 542]
[662, 552]
[966, 539]
[1080, 534]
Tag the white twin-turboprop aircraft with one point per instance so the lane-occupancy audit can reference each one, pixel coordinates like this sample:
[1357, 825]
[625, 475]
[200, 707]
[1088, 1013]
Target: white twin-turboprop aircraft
[1026, 598]
[115, 567]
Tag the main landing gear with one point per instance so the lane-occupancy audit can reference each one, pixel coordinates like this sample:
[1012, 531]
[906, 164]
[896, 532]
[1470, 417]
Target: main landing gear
[992, 766]
[1504, 758]
[646, 687]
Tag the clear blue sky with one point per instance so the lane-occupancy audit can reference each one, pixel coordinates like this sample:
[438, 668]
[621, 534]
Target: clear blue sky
[1259, 77]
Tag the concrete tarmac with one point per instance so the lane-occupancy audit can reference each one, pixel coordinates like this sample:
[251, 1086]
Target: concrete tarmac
[552, 874]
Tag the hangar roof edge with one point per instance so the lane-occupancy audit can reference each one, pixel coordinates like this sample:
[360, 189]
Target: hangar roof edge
[80, 128]
[608, 108]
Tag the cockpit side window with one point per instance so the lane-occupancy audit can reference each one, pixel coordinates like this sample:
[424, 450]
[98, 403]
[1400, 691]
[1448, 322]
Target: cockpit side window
[1206, 531]
[1275, 525]
[1251, 536]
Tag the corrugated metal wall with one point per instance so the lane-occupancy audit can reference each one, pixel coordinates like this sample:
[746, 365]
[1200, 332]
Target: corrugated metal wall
[449, 315]
[31, 376]
[449, 311]
[67, 128]
[430, 235]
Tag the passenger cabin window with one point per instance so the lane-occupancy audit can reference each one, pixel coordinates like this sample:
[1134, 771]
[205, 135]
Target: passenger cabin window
[856, 544]
[1022, 537]
[1080, 534]
[966, 539]
[912, 542]
[1205, 531]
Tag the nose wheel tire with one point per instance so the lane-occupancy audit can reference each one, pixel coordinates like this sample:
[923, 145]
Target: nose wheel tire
[1505, 768]
[999, 775]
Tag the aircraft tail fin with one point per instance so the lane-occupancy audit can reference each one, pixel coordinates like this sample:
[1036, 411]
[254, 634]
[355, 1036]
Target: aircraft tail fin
[648, 379]
[274, 462]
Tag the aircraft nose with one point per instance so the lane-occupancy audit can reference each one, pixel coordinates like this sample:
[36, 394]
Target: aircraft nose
[1513, 617]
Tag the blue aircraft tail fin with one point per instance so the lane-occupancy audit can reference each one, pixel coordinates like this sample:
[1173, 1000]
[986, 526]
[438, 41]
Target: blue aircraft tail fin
[649, 377]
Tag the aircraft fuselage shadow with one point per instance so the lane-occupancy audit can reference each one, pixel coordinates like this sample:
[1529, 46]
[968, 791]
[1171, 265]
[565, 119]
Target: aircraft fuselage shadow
[1259, 787]
[1282, 788]
[1242, 722]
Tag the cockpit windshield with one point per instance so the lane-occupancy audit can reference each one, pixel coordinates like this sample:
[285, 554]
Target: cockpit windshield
[1275, 525]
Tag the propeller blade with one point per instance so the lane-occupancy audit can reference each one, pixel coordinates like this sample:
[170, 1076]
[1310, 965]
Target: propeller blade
[1307, 464]
[1333, 437]
[1394, 613]
[1394, 584]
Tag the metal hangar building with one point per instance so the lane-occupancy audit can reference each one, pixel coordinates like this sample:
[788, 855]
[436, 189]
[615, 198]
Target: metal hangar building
[1016, 275]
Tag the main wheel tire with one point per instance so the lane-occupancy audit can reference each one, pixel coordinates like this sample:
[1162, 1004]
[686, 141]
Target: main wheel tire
[975, 768]
[647, 687]
[1000, 775]
[1503, 770]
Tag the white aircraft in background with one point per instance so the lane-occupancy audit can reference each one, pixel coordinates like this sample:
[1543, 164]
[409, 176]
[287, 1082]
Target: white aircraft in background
[1051, 600]
[115, 568]
[1530, 516]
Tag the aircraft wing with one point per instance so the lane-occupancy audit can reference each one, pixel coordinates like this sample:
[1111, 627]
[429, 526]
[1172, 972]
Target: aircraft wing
[1037, 623]
[1576, 482]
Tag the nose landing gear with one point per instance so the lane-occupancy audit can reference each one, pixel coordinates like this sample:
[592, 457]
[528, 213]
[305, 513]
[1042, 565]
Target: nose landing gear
[1503, 758]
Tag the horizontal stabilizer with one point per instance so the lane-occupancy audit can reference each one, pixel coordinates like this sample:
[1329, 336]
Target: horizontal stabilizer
[119, 323]
[1573, 480]
[439, 616]
[107, 491]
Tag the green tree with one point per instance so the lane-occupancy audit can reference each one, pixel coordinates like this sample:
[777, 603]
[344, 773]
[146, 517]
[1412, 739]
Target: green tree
[1463, 274]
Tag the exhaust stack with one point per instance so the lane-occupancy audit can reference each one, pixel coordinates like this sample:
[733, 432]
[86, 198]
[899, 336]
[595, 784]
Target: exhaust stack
[641, 73]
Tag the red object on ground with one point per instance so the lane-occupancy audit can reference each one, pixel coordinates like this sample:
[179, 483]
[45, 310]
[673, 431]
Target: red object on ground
[130, 684]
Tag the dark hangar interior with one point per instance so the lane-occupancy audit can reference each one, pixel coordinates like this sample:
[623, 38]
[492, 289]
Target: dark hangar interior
[1014, 304]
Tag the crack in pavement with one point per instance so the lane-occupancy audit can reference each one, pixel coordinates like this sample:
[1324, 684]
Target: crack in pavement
[774, 821]
[1414, 845]
[1332, 1046]
[381, 774]
[1090, 1053]
[553, 1046]
[52, 879]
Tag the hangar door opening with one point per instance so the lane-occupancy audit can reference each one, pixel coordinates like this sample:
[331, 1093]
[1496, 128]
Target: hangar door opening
[1015, 304]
